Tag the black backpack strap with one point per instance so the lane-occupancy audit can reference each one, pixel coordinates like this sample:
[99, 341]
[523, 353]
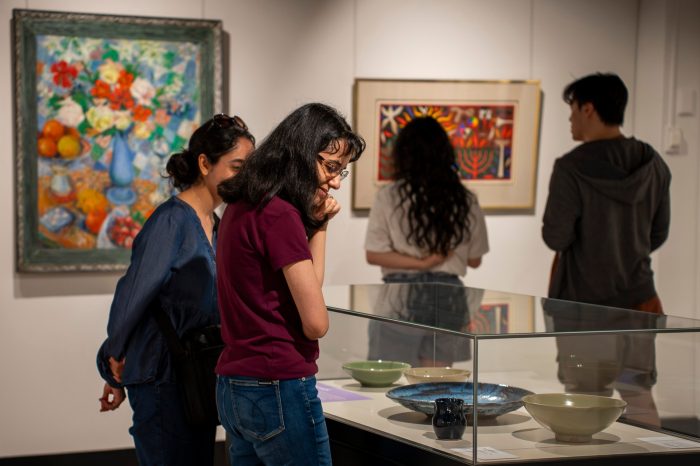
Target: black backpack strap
[167, 329]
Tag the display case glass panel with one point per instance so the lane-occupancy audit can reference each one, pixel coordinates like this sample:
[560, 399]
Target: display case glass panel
[508, 346]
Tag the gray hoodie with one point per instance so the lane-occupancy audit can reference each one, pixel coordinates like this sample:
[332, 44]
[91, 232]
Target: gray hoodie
[608, 209]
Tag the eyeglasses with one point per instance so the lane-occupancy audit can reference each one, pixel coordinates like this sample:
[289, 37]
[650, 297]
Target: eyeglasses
[224, 121]
[333, 168]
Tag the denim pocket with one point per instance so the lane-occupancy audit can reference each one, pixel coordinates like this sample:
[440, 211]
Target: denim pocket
[257, 408]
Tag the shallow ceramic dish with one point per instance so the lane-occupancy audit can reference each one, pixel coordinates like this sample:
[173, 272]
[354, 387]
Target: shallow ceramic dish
[375, 373]
[492, 399]
[573, 417]
[436, 374]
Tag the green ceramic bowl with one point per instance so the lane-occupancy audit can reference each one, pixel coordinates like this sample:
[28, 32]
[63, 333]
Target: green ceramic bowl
[375, 373]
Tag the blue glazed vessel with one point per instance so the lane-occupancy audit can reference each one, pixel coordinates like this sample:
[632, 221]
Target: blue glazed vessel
[449, 420]
[492, 399]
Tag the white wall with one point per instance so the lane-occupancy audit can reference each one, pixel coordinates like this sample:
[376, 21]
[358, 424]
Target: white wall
[679, 259]
[284, 53]
[678, 268]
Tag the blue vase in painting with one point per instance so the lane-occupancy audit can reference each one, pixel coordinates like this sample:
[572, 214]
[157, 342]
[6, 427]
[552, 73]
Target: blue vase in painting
[121, 172]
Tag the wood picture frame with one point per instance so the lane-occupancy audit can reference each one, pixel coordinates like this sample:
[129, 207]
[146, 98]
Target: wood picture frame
[493, 125]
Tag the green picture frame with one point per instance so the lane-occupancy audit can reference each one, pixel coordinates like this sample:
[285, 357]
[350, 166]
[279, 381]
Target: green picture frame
[101, 101]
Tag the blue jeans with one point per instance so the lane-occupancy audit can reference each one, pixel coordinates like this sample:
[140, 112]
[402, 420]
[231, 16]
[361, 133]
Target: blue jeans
[423, 277]
[273, 422]
[161, 434]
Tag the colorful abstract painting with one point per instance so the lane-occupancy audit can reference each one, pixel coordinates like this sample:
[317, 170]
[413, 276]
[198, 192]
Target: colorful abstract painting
[108, 112]
[493, 127]
[482, 136]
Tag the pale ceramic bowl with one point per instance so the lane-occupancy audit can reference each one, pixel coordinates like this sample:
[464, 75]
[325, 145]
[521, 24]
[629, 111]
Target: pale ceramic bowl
[375, 373]
[435, 374]
[573, 417]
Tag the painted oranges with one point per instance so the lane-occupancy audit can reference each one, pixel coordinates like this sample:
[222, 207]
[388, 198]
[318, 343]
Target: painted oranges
[68, 146]
[53, 129]
[94, 219]
[46, 147]
[58, 139]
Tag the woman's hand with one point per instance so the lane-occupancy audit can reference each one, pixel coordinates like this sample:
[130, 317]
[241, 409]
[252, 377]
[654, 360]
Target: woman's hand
[327, 209]
[112, 397]
[433, 260]
[397, 260]
[332, 207]
[117, 368]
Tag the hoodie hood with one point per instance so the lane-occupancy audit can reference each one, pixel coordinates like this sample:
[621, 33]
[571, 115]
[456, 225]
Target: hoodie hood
[622, 172]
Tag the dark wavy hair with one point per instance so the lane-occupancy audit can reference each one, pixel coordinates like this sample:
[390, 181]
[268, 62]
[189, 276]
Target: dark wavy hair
[211, 139]
[286, 162]
[428, 182]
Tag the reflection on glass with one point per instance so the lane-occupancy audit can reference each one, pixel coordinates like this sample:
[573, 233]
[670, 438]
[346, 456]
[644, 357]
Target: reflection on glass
[598, 364]
[490, 312]
[517, 321]
[443, 306]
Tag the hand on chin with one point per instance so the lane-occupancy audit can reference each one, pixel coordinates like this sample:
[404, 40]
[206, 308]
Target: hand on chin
[327, 207]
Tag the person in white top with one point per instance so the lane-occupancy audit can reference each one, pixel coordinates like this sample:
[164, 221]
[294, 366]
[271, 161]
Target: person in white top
[426, 227]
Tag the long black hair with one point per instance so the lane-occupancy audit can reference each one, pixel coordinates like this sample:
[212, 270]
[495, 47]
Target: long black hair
[428, 183]
[213, 139]
[285, 163]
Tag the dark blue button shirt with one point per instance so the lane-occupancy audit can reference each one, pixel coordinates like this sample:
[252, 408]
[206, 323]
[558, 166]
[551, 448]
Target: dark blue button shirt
[171, 261]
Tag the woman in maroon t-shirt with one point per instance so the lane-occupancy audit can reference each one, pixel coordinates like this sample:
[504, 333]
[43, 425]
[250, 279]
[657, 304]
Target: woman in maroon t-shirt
[270, 266]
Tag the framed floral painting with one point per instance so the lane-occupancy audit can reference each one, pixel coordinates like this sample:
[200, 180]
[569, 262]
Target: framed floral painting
[493, 127]
[101, 102]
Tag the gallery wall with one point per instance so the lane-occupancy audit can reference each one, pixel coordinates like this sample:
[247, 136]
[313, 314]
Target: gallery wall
[284, 53]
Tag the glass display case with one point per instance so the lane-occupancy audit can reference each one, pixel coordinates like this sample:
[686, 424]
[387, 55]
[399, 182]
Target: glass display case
[630, 378]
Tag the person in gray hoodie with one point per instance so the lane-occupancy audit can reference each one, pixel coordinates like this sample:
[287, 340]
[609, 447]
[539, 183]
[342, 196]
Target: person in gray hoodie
[608, 208]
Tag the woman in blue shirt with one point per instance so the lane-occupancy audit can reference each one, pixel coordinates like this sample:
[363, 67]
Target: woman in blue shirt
[172, 265]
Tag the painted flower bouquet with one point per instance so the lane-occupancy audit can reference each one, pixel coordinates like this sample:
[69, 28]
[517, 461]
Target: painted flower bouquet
[110, 111]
